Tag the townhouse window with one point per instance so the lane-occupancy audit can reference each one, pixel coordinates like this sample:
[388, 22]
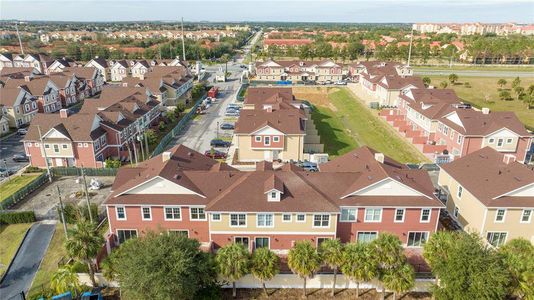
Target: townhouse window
[276, 139]
[322, 220]
[526, 215]
[215, 217]
[267, 141]
[508, 141]
[399, 215]
[47, 146]
[173, 213]
[184, 233]
[27, 107]
[56, 148]
[121, 213]
[373, 215]
[264, 220]
[500, 142]
[197, 213]
[348, 214]
[125, 235]
[261, 242]
[64, 146]
[321, 240]
[456, 212]
[238, 220]
[36, 144]
[417, 239]
[460, 191]
[452, 134]
[80, 145]
[425, 215]
[242, 240]
[367, 236]
[85, 145]
[496, 239]
[459, 141]
[146, 213]
[286, 218]
[445, 130]
[491, 141]
[301, 218]
[500, 215]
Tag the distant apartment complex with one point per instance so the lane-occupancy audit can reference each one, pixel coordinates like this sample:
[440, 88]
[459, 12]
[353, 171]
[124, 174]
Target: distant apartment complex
[298, 71]
[491, 194]
[474, 28]
[354, 198]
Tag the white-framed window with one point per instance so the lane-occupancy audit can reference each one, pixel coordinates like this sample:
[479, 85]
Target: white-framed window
[257, 138]
[276, 139]
[456, 212]
[36, 144]
[509, 141]
[417, 239]
[425, 215]
[399, 215]
[526, 215]
[267, 141]
[500, 142]
[80, 145]
[216, 217]
[238, 220]
[56, 148]
[64, 146]
[264, 220]
[366, 236]
[348, 214]
[301, 218]
[500, 215]
[173, 213]
[125, 234]
[373, 215]
[286, 218]
[496, 238]
[459, 140]
[121, 212]
[197, 213]
[460, 191]
[491, 141]
[320, 240]
[321, 220]
[261, 242]
[85, 145]
[146, 213]
[181, 232]
[242, 240]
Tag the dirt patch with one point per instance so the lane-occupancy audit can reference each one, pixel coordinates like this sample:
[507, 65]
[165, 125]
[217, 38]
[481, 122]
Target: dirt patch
[343, 294]
[316, 95]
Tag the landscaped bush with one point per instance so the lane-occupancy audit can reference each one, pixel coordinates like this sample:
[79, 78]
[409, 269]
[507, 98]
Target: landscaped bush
[17, 217]
[32, 169]
[72, 212]
[112, 163]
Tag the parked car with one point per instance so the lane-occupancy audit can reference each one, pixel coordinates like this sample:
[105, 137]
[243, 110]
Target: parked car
[227, 126]
[219, 143]
[308, 166]
[6, 172]
[341, 82]
[20, 158]
[234, 106]
[232, 114]
[22, 131]
[215, 154]
[328, 82]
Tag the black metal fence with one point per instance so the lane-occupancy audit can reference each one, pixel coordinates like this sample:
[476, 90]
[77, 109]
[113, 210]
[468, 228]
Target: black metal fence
[72, 171]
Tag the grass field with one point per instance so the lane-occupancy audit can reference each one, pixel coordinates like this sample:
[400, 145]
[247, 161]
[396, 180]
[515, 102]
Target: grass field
[510, 68]
[11, 237]
[16, 183]
[482, 87]
[344, 123]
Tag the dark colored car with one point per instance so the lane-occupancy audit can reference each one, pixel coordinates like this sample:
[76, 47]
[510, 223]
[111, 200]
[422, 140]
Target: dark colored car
[20, 158]
[6, 172]
[227, 126]
[215, 154]
[219, 143]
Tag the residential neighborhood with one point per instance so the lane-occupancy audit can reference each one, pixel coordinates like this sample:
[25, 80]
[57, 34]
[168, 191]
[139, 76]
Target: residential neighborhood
[253, 160]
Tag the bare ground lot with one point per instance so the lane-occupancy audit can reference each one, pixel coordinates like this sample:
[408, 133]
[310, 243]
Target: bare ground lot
[45, 200]
[316, 294]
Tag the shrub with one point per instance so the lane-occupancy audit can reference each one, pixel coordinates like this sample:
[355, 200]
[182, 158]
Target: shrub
[162, 126]
[151, 136]
[16, 217]
[73, 212]
[180, 108]
[112, 163]
[32, 169]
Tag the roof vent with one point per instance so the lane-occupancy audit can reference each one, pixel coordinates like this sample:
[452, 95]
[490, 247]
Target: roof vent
[485, 110]
[165, 156]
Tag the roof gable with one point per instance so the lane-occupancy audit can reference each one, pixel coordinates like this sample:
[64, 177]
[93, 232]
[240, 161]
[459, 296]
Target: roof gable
[267, 130]
[53, 133]
[156, 185]
[453, 117]
[386, 187]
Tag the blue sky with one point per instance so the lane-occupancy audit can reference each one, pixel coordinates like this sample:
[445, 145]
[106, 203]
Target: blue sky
[356, 11]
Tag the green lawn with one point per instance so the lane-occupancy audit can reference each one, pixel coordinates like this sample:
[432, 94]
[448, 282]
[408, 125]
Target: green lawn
[8, 188]
[11, 237]
[482, 87]
[344, 123]
[510, 68]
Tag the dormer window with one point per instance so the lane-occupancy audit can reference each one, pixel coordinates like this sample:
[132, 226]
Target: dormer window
[274, 196]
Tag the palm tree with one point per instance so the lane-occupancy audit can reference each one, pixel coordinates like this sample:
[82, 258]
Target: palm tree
[453, 78]
[358, 264]
[303, 260]
[502, 82]
[427, 81]
[83, 244]
[519, 90]
[65, 279]
[233, 263]
[265, 265]
[331, 252]
[400, 280]
[388, 252]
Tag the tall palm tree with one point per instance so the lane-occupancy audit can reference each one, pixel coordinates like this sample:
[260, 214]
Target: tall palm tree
[265, 265]
[83, 244]
[331, 252]
[359, 264]
[400, 280]
[303, 260]
[389, 254]
[233, 263]
[65, 279]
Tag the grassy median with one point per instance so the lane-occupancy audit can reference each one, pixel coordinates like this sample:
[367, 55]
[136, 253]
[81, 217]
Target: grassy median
[11, 237]
[14, 184]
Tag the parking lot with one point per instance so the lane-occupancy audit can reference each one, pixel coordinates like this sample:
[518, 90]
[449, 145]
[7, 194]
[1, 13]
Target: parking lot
[45, 200]
[8, 147]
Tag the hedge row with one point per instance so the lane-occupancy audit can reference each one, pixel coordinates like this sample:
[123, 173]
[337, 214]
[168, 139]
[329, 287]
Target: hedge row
[16, 217]
[73, 212]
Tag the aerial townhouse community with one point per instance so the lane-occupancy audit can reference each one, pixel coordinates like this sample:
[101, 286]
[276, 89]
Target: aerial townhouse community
[298, 71]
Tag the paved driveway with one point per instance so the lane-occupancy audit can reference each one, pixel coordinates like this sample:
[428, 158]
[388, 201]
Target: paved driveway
[9, 146]
[27, 261]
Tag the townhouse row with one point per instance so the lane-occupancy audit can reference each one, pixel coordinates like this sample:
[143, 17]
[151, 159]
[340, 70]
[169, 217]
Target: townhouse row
[298, 71]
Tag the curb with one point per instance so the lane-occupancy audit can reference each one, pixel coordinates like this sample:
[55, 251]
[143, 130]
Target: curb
[16, 253]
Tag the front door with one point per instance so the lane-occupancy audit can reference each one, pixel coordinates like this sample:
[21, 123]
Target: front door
[276, 154]
[267, 155]
[59, 162]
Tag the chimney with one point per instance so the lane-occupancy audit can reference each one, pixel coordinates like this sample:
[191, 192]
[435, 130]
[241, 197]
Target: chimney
[27, 78]
[63, 113]
[165, 156]
[508, 158]
[485, 110]
[379, 157]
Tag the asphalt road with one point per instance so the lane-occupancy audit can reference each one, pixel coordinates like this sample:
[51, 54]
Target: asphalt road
[474, 73]
[27, 261]
[9, 146]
